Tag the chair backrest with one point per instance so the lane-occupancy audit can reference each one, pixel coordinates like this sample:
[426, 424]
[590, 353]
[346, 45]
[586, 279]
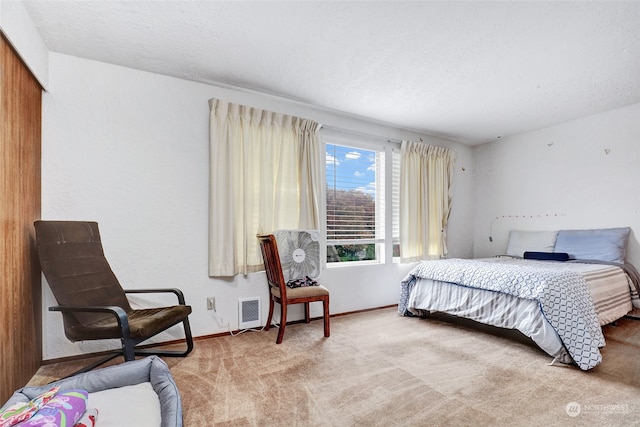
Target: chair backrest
[73, 262]
[272, 265]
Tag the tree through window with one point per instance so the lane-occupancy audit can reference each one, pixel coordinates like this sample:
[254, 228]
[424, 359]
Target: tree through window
[355, 203]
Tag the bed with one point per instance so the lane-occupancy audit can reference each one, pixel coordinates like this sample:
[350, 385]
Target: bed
[137, 393]
[560, 305]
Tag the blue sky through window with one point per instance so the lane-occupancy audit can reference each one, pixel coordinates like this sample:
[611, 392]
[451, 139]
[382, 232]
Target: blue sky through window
[351, 168]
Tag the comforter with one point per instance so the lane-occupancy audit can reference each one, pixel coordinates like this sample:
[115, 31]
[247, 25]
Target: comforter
[562, 294]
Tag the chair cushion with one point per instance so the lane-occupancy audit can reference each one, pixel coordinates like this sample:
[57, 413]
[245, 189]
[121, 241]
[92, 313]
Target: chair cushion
[142, 323]
[73, 262]
[303, 292]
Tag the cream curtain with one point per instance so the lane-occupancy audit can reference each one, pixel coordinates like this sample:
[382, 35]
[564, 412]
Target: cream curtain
[425, 200]
[264, 176]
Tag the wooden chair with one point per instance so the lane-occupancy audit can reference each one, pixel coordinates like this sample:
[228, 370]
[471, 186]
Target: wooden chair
[93, 304]
[283, 295]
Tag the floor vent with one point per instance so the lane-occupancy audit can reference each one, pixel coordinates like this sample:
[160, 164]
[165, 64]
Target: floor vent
[249, 313]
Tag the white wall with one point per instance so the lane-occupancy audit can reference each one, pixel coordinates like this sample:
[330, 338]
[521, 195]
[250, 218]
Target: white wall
[580, 174]
[129, 149]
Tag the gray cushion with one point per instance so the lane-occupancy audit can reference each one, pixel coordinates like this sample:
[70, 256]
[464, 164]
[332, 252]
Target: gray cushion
[604, 244]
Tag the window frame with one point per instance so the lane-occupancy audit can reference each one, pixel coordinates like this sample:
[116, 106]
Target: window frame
[384, 245]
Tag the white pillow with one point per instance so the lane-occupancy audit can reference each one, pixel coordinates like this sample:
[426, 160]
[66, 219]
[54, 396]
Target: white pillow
[534, 241]
[134, 405]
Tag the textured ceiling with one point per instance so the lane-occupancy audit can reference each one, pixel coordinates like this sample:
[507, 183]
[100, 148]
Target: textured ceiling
[467, 71]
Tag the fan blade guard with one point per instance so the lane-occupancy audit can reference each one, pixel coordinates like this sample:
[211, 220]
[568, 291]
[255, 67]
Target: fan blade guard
[299, 252]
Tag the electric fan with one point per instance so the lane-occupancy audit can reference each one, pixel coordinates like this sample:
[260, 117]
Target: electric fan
[299, 252]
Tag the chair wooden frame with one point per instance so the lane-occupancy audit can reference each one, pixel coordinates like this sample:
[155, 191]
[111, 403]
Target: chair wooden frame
[279, 293]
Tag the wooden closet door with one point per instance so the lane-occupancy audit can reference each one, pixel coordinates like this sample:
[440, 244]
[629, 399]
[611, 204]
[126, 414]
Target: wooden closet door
[20, 283]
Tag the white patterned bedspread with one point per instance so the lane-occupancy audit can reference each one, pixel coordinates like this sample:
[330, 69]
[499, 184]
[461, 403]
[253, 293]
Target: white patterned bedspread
[562, 294]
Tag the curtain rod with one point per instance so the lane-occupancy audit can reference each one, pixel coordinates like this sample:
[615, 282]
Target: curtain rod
[360, 134]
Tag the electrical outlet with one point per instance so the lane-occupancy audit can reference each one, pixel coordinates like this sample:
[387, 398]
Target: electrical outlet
[211, 303]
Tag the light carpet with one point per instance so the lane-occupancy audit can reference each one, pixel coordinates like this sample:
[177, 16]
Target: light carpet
[381, 369]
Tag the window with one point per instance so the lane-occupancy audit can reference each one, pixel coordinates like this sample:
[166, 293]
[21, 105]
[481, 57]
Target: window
[356, 201]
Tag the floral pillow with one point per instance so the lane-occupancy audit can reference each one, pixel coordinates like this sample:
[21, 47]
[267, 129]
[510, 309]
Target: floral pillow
[22, 411]
[52, 408]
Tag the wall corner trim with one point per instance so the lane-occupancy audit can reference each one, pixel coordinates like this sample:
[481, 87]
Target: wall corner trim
[18, 28]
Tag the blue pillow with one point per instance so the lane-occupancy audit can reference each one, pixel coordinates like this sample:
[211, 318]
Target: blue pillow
[604, 244]
[547, 256]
